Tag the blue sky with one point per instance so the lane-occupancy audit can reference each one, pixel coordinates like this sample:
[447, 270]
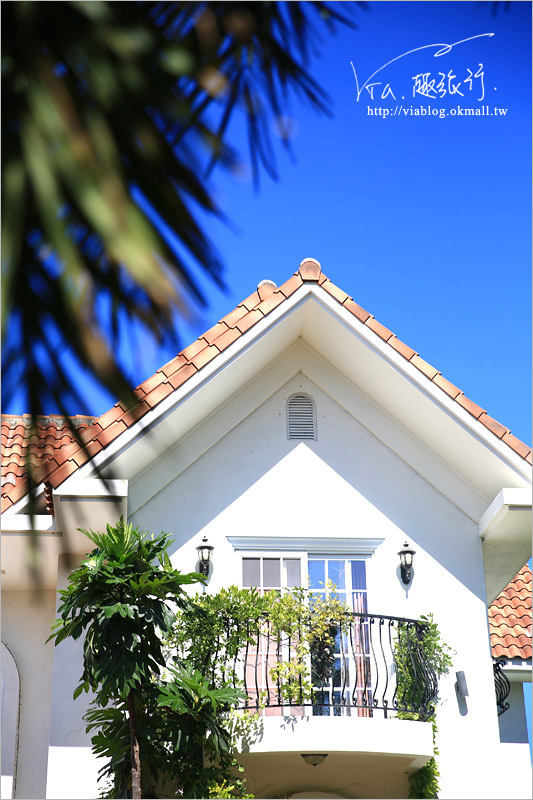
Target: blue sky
[425, 221]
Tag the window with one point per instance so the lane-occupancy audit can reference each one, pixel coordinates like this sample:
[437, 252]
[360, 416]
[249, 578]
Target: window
[301, 417]
[271, 573]
[347, 680]
[342, 678]
[348, 575]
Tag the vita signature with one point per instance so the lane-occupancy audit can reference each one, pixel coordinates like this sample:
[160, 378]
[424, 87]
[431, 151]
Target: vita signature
[443, 49]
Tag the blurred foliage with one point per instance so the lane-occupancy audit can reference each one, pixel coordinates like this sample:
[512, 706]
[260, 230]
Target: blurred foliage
[104, 103]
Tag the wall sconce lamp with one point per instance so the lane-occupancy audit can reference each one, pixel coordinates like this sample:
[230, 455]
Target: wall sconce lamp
[314, 758]
[460, 687]
[406, 563]
[204, 551]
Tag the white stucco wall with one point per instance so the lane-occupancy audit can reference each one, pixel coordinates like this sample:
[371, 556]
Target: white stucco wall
[347, 483]
[512, 723]
[69, 750]
[26, 620]
[10, 701]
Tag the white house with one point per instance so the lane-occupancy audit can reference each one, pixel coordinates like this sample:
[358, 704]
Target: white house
[302, 438]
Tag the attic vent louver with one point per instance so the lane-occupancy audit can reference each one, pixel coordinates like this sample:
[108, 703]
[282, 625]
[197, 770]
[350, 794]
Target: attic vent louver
[301, 417]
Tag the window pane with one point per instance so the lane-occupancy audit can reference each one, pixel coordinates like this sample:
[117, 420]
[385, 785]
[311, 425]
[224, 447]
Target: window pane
[359, 602]
[321, 699]
[336, 573]
[339, 596]
[358, 575]
[271, 573]
[337, 700]
[292, 571]
[250, 572]
[317, 577]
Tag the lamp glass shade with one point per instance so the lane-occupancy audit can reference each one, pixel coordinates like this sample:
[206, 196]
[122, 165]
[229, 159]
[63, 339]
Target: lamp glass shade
[406, 555]
[204, 552]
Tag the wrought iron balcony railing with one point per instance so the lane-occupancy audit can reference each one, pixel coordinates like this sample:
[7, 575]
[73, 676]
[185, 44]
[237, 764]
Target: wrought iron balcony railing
[366, 663]
[502, 687]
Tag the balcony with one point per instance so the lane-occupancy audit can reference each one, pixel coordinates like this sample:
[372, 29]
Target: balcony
[360, 694]
[355, 672]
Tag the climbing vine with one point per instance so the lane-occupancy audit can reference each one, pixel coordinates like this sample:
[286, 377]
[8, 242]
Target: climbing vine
[233, 619]
[425, 782]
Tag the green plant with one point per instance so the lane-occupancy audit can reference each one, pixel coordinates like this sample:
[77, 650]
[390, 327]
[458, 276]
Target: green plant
[185, 745]
[234, 620]
[120, 599]
[425, 639]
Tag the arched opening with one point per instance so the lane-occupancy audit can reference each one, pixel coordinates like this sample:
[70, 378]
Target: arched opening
[10, 722]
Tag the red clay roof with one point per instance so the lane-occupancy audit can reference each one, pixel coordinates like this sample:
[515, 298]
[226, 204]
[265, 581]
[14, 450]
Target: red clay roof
[510, 618]
[69, 457]
[42, 445]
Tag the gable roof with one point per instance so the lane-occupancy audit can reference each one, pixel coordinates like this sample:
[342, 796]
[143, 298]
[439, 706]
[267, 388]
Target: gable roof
[510, 618]
[67, 458]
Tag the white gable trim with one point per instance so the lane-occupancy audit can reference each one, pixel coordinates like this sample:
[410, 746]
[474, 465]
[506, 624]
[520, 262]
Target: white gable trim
[289, 322]
[92, 487]
[505, 501]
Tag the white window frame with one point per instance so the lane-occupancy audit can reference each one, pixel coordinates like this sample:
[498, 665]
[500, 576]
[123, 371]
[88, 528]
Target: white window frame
[274, 554]
[305, 548]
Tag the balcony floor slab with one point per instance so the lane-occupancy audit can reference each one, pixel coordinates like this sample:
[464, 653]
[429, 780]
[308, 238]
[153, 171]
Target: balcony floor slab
[366, 757]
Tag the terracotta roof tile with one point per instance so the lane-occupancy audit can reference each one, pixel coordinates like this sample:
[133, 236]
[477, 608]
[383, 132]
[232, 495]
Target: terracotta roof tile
[310, 269]
[172, 366]
[205, 356]
[231, 318]
[214, 332]
[63, 472]
[290, 286]
[156, 380]
[334, 291]
[248, 320]
[356, 310]
[518, 446]
[251, 301]
[510, 618]
[182, 375]
[271, 302]
[155, 397]
[429, 371]
[55, 452]
[110, 416]
[383, 332]
[446, 386]
[44, 447]
[193, 349]
[80, 457]
[265, 289]
[470, 406]
[403, 349]
[227, 338]
[494, 426]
